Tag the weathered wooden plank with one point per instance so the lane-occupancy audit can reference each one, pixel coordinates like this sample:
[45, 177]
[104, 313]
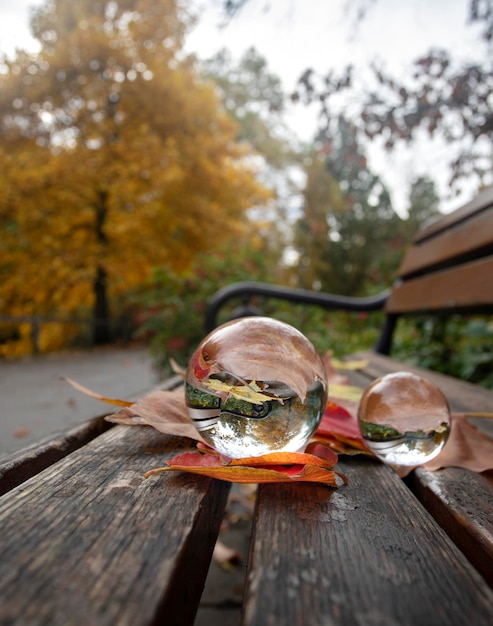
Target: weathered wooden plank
[480, 202]
[366, 554]
[462, 241]
[460, 289]
[462, 503]
[22, 465]
[90, 541]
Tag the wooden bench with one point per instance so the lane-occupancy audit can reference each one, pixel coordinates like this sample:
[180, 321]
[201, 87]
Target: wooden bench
[448, 270]
[85, 539]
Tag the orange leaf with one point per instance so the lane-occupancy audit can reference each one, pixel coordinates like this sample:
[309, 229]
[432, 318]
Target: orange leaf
[243, 474]
[270, 468]
[287, 458]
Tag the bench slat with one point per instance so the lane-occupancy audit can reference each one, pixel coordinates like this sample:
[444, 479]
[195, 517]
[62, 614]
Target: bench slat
[366, 554]
[22, 465]
[462, 503]
[90, 541]
[468, 287]
[480, 202]
[461, 242]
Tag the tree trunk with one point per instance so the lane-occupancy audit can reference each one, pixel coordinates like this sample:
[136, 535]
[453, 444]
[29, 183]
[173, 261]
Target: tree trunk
[101, 317]
[101, 312]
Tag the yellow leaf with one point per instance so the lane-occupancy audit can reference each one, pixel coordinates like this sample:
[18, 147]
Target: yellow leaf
[248, 393]
[345, 392]
[349, 365]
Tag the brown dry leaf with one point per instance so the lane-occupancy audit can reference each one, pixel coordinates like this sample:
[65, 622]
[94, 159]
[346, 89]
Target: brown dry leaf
[466, 447]
[166, 411]
[96, 396]
[177, 368]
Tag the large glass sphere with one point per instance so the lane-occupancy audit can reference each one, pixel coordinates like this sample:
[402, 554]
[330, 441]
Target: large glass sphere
[404, 419]
[254, 386]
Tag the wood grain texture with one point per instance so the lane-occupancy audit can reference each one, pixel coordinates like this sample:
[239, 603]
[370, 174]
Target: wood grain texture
[462, 503]
[463, 241]
[22, 465]
[482, 201]
[468, 287]
[89, 541]
[365, 554]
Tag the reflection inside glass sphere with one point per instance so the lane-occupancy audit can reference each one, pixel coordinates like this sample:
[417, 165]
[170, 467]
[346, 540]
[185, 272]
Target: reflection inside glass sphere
[254, 386]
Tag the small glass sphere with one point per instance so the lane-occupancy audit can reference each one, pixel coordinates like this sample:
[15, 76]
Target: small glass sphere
[256, 385]
[404, 419]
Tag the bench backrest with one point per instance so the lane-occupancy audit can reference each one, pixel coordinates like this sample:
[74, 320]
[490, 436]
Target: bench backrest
[450, 264]
[448, 269]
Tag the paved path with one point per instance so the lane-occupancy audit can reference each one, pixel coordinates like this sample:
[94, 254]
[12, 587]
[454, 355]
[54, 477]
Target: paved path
[34, 402]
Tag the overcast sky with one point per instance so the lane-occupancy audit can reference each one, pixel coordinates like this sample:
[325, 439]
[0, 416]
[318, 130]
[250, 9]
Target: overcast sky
[295, 34]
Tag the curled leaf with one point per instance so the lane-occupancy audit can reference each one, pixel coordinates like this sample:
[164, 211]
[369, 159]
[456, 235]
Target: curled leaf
[177, 368]
[96, 396]
[269, 468]
[287, 458]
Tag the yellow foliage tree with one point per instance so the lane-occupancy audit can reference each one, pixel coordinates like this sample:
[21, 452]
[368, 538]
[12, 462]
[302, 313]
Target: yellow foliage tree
[115, 158]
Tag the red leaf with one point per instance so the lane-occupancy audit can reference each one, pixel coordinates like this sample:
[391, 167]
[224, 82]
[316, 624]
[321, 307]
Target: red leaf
[339, 428]
[324, 452]
[195, 459]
